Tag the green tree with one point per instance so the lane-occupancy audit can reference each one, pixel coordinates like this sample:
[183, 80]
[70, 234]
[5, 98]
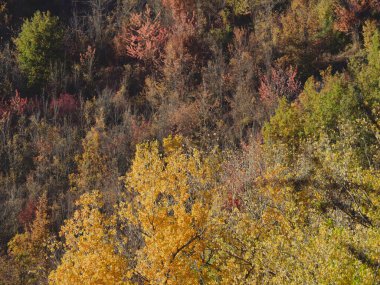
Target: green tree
[326, 149]
[39, 44]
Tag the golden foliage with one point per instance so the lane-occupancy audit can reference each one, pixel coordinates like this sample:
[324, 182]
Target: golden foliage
[92, 164]
[171, 202]
[91, 253]
[31, 248]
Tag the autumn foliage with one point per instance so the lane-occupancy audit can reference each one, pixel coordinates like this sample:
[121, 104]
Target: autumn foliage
[171, 206]
[90, 256]
[143, 37]
[351, 14]
[189, 142]
[64, 104]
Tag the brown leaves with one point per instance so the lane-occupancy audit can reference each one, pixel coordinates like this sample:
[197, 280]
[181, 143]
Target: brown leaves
[352, 13]
[279, 83]
[182, 10]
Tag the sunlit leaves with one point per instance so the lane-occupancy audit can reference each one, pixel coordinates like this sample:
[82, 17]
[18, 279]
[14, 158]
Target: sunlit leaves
[171, 196]
[39, 44]
[91, 252]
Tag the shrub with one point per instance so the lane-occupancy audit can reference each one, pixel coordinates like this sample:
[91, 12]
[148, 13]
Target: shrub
[64, 104]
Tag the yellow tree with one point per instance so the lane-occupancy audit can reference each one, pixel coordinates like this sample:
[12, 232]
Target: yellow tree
[170, 202]
[91, 253]
[95, 168]
[30, 249]
[92, 163]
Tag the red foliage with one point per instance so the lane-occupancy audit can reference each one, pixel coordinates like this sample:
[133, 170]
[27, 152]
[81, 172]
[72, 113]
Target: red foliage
[27, 215]
[64, 104]
[15, 105]
[279, 83]
[142, 38]
[233, 201]
[18, 104]
[352, 13]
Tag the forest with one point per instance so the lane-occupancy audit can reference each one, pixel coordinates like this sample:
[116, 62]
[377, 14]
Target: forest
[189, 142]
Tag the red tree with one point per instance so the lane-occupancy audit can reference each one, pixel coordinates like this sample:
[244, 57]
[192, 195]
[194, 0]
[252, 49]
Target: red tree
[142, 38]
[278, 83]
[64, 104]
[28, 213]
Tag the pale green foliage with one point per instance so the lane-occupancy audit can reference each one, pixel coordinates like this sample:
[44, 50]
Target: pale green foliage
[326, 148]
[240, 7]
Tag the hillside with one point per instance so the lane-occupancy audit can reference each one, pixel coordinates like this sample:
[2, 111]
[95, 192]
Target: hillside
[189, 142]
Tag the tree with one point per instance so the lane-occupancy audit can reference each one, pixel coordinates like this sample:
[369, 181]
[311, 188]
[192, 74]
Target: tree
[95, 168]
[181, 10]
[326, 144]
[322, 106]
[39, 44]
[91, 253]
[142, 38]
[280, 83]
[4, 20]
[171, 198]
[240, 7]
[31, 248]
[305, 37]
[352, 14]
[275, 232]
[92, 164]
